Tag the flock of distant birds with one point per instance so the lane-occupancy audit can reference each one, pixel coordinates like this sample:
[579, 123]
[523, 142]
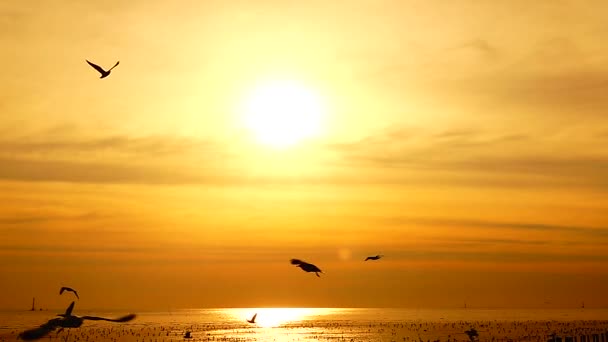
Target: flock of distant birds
[67, 320]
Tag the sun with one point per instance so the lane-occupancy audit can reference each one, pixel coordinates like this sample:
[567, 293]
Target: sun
[283, 113]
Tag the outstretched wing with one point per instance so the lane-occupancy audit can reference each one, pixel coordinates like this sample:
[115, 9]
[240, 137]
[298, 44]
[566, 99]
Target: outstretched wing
[68, 311]
[36, 333]
[297, 262]
[367, 258]
[122, 319]
[41, 331]
[63, 289]
[96, 67]
[114, 66]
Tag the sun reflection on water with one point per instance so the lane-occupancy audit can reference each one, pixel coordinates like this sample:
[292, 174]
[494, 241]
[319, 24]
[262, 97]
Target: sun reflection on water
[274, 317]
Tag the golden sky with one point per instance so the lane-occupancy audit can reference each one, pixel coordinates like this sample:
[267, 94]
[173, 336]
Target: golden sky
[467, 141]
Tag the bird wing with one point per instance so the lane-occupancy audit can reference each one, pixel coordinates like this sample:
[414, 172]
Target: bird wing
[96, 67]
[367, 258]
[68, 311]
[41, 331]
[63, 289]
[122, 319]
[36, 333]
[114, 66]
[254, 316]
[297, 262]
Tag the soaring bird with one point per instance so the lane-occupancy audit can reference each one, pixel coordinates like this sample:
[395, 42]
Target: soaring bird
[306, 267]
[252, 320]
[374, 257]
[63, 289]
[67, 321]
[100, 69]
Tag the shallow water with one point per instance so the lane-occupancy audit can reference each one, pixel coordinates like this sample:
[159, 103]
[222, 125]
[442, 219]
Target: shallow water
[321, 324]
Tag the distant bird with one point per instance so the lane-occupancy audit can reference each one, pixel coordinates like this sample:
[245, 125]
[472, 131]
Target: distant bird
[473, 335]
[306, 267]
[100, 69]
[67, 321]
[63, 289]
[374, 257]
[252, 320]
[187, 335]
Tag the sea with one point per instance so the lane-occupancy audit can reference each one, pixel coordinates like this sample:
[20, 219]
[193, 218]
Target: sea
[323, 324]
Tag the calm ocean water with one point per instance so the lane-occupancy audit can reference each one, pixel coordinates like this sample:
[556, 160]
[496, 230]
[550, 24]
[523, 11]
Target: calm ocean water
[322, 324]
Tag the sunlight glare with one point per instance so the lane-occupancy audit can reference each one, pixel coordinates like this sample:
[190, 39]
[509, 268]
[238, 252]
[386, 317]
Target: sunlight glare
[282, 113]
[274, 317]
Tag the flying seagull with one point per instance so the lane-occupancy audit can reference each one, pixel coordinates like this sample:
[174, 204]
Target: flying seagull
[63, 289]
[100, 69]
[67, 321]
[306, 267]
[252, 320]
[374, 257]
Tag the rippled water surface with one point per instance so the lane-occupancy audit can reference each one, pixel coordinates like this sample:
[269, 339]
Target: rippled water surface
[311, 324]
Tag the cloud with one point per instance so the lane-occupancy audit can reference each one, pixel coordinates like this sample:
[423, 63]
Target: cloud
[113, 159]
[90, 172]
[474, 50]
[459, 155]
[26, 218]
[475, 156]
[153, 145]
[595, 232]
[169, 254]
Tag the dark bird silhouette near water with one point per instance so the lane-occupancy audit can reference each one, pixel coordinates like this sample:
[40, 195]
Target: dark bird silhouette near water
[100, 69]
[67, 320]
[63, 289]
[187, 335]
[252, 320]
[374, 257]
[306, 267]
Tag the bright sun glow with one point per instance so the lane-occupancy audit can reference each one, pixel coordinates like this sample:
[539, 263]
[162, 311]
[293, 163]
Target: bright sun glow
[282, 113]
[274, 317]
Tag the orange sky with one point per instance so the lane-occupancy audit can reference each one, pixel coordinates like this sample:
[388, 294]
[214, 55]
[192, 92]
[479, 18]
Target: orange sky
[465, 141]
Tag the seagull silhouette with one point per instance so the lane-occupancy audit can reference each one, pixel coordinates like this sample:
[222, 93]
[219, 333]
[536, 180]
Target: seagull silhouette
[252, 320]
[63, 289]
[374, 257]
[100, 69]
[306, 267]
[67, 321]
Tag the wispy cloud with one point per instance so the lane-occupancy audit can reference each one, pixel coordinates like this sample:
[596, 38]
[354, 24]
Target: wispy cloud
[473, 155]
[27, 218]
[597, 232]
[152, 145]
[114, 159]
